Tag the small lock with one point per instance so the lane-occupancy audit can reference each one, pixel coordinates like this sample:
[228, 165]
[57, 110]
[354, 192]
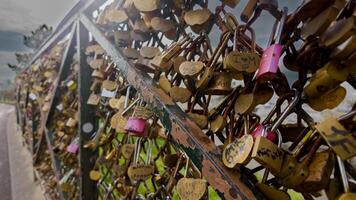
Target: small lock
[325, 79]
[141, 171]
[136, 125]
[73, 147]
[237, 61]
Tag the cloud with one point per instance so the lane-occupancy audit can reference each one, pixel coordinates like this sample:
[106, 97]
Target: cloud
[15, 17]
[26, 15]
[5, 72]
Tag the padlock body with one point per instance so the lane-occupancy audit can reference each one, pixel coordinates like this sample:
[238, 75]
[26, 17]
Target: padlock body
[136, 125]
[258, 131]
[73, 148]
[269, 62]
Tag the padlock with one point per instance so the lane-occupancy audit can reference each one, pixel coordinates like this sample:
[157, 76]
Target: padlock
[190, 188]
[261, 128]
[238, 152]
[168, 27]
[338, 32]
[301, 171]
[345, 49]
[317, 25]
[136, 125]
[237, 61]
[73, 147]
[219, 121]
[337, 137]
[199, 20]
[320, 170]
[267, 153]
[326, 79]
[146, 6]
[270, 58]
[212, 63]
[179, 94]
[137, 171]
[220, 84]
[328, 100]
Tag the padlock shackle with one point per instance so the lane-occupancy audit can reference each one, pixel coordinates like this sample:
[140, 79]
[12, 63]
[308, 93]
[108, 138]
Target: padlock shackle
[281, 24]
[345, 181]
[286, 112]
[127, 97]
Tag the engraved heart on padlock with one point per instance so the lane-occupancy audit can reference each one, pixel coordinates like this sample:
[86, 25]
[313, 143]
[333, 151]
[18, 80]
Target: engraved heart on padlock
[140, 172]
[191, 188]
[238, 152]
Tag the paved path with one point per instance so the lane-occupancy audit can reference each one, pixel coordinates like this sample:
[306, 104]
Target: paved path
[16, 171]
[5, 180]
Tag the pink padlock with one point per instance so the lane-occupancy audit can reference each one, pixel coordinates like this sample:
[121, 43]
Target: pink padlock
[136, 125]
[73, 148]
[260, 131]
[269, 62]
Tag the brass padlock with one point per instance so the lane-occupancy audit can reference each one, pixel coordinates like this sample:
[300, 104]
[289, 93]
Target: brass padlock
[191, 188]
[317, 25]
[220, 84]
[328, 100]
[199, 20]
[326, 79]
[338, 32]
[320, 170]
[243, 61]
[136, 171]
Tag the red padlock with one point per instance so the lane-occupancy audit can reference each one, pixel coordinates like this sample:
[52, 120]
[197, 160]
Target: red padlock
[270, 58]
[261, 130]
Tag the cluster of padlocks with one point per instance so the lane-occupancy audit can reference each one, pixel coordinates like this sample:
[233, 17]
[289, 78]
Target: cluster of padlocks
[219, 87]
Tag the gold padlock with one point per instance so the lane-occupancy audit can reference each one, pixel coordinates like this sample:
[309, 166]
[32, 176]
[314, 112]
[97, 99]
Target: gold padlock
[326, 79]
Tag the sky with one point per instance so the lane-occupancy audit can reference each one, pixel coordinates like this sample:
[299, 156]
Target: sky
[20, 17]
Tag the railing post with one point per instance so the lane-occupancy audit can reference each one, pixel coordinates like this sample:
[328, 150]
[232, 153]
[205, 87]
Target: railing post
[87, 122]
